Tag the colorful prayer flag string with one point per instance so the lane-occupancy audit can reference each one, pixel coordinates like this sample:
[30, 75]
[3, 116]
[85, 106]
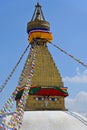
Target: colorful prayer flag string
[77, 60]
[17, 117]
[8, 105]
[10, 75]
[7, 108]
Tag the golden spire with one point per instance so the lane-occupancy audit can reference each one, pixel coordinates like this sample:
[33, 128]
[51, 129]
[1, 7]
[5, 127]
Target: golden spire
[38, 14]
[47, 83]
[38, 27]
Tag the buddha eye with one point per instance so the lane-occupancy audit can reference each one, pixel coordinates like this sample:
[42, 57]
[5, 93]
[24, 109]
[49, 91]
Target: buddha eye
[39, 98]
[53, 99]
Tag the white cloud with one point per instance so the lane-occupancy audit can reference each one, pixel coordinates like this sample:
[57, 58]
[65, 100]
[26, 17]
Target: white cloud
[79, 103]
[80, 77]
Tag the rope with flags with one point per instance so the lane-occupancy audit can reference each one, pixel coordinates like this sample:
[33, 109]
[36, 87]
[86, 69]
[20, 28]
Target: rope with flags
[7, 108]
[10, 75]
[8, 105]
[17, 117]
[71, 56]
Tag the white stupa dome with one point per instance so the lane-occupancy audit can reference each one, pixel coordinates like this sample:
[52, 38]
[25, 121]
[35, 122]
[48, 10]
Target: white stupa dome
[53, 120]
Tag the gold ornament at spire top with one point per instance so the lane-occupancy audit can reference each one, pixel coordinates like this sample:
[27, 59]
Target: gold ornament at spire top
[38, 27]
[38, 13]
[38, 5]
[38, 16]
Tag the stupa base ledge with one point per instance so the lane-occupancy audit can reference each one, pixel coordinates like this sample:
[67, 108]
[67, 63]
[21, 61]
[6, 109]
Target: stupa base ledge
[47, 109]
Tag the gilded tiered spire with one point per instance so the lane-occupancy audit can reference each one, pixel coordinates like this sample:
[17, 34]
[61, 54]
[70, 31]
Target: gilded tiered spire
[45, 72]
[47, 90]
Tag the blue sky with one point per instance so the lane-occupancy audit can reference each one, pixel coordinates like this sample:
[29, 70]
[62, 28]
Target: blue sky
[68, 20]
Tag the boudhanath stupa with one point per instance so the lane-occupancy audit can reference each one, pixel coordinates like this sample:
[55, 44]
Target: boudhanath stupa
[40, 95]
